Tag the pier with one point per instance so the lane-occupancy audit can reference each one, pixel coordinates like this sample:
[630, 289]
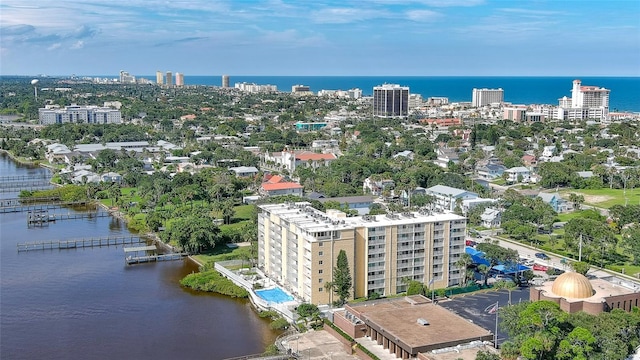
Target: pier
[17, 188]
[21, 178]
[81, 243]
[33, 207]
[29, 200]
[136, 258]
[43, 217]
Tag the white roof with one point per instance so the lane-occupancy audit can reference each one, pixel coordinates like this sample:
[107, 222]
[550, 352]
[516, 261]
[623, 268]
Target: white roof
[446, 190]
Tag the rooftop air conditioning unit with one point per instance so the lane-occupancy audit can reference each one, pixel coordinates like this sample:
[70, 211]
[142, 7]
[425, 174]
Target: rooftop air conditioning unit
[423, 322]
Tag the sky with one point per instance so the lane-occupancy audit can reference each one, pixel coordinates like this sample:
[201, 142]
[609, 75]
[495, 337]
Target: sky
[321, 37]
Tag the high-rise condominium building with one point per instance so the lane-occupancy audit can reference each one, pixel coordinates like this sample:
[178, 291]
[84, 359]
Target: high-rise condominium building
[169, 78]
[225, 81]
[390, 100]
[298, 246]
[179, 79]
[482, 97]
[159, 78]
[589, 96]
[126, 78]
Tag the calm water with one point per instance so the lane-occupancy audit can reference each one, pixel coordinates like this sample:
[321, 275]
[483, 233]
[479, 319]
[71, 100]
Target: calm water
[625, 91]
[87, 304]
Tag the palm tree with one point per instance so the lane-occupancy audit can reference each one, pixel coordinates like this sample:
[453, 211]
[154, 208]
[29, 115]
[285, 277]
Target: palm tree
[463, 264]
[484, 270]
[506, 285]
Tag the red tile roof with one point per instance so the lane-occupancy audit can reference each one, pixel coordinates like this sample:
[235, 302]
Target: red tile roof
[281, 186]
[307, 155]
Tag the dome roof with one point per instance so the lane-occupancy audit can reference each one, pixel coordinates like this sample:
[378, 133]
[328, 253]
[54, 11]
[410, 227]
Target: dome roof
[572, 285]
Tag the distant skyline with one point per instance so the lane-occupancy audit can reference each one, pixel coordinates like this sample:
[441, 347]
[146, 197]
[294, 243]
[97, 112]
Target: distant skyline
[343, 37]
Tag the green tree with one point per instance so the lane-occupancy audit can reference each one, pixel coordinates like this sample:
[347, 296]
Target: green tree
[577, 346]
[342, 282]
[487, 355]
[580, 267]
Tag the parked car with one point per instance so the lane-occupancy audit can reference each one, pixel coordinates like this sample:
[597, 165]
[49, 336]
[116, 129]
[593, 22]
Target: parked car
[542, 256]
[528, 262]
[470, 243]
[555, 271]
[538, 267]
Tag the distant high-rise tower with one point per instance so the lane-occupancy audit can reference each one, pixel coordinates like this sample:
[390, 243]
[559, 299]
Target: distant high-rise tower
[225, 81]
[390, 100]
[169, 78]
[482, 97]
[159, 78]
[179, 79]
[589, 96]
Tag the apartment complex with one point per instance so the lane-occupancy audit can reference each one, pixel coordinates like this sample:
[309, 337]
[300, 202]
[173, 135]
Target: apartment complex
[390, 100]
[79, 114]
[482, 97]
[298, 246]
[169, 78]
[254, 88]
[225, 81]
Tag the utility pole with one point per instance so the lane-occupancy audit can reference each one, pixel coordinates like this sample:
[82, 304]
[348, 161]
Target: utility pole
[580, 249]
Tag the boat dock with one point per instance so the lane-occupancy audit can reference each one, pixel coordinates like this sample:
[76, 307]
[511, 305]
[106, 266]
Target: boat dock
[31, 207]
[43, 217]
[80, 243]
[139, 259]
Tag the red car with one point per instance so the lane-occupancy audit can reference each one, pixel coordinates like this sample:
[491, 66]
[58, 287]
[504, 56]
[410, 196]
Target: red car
[538, 267]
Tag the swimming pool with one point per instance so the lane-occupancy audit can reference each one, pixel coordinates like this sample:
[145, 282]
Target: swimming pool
[275, 295]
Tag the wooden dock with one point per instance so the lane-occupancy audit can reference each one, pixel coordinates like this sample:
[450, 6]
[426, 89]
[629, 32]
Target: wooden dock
[18, 188]
[43, 217]
[32, 207]
[131, 260]
[81, 243]
[29, 200]
[139, 255]
[11, 178]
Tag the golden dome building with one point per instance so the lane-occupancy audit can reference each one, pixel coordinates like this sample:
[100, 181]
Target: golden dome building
[575, 292]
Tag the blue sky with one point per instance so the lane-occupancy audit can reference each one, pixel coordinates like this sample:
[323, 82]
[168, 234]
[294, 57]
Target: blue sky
[348, 37]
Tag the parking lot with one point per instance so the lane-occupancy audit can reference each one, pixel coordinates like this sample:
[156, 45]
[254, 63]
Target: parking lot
[473, 307]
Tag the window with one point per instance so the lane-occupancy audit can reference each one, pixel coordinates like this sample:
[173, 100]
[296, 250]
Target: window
[320, 262]
[320, 244]
[319, 271]
[320, 281]
[320, 253]
[319, 289]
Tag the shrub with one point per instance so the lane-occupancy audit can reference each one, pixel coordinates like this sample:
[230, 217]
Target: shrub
[279, 324]
[213, 281]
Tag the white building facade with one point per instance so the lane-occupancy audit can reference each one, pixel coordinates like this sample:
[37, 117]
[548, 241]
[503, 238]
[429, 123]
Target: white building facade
[482, 97]
[79, 115]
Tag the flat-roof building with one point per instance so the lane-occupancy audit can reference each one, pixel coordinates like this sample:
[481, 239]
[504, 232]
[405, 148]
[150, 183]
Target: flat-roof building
[79, 114]
[298, 247]
[408, 326]
[482, 97]
[390, 100]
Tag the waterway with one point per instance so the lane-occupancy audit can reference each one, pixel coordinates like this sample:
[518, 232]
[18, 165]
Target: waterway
[87, 304]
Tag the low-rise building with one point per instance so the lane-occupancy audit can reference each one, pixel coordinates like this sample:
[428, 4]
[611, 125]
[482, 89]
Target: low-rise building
[447, 198]
[79, 115]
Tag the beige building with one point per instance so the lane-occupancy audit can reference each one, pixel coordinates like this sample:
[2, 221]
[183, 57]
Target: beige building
[298, 247]
[159, 78]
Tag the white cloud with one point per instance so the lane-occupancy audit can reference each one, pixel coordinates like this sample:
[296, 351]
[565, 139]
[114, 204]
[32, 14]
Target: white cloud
[77, 45]
[423, 15]
[344, 15]
[54, 46]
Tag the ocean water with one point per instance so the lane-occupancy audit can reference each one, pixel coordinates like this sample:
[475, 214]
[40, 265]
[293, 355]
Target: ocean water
[625, 91]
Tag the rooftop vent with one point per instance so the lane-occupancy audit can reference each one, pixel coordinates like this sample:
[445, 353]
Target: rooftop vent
[422, 322]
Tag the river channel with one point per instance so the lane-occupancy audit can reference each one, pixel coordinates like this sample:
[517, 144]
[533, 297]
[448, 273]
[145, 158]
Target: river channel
[88, 304]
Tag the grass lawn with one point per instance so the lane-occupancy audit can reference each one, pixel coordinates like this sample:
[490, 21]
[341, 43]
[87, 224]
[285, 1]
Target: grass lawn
[223, 253]
[606, 198]
[244, 212]
[564, 217]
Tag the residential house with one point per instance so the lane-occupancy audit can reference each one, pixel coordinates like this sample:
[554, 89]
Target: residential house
[469, 204]
[275, 185]
[518, 174]
[111, 177]
[407, 154]
[490, 171]
[58, 153]
[491, 218]
[245, 171]
[558, 204]
[376, 187]
[447, 198]
[529, 160]
[361, 204]
[289, 160]
[446, 155]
